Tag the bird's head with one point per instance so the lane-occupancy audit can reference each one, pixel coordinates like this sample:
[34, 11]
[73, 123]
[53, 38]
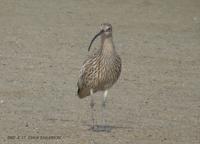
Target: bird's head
[105, 31]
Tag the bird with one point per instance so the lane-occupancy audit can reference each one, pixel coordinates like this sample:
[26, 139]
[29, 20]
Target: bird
[101, 70]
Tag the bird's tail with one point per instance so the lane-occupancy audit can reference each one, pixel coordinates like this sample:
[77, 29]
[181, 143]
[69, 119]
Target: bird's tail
[83, 92]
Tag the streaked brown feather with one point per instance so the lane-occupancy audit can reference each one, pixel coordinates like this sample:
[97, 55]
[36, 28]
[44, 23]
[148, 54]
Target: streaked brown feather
[98, 73]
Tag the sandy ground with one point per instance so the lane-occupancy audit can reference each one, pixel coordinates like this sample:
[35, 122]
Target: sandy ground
[43, 44]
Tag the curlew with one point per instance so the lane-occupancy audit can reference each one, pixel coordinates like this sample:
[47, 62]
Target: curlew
[100, 70]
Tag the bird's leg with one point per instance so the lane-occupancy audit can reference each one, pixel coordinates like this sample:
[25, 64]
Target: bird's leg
[92, 107]
[104, 107]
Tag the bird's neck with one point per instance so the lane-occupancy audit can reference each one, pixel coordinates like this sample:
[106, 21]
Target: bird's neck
[107, 45]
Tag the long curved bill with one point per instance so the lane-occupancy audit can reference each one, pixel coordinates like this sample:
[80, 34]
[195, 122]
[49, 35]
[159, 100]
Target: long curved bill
[98, 34]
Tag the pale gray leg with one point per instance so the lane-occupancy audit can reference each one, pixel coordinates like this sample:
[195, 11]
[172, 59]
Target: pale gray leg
[92, 107]
[104, 107]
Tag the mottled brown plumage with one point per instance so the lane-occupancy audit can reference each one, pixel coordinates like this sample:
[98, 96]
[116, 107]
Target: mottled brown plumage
[101, 69]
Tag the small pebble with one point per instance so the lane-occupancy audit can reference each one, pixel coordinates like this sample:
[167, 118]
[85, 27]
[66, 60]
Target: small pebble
[26, 125]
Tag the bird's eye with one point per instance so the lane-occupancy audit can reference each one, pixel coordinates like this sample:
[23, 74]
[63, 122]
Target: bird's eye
[109, 29]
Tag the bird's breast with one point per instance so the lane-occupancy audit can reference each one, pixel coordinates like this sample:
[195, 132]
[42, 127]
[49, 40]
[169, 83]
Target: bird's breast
[109, 70]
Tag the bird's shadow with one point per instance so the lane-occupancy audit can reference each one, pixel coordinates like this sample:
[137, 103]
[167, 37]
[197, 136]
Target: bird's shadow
[101, 128]
[106, 128]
